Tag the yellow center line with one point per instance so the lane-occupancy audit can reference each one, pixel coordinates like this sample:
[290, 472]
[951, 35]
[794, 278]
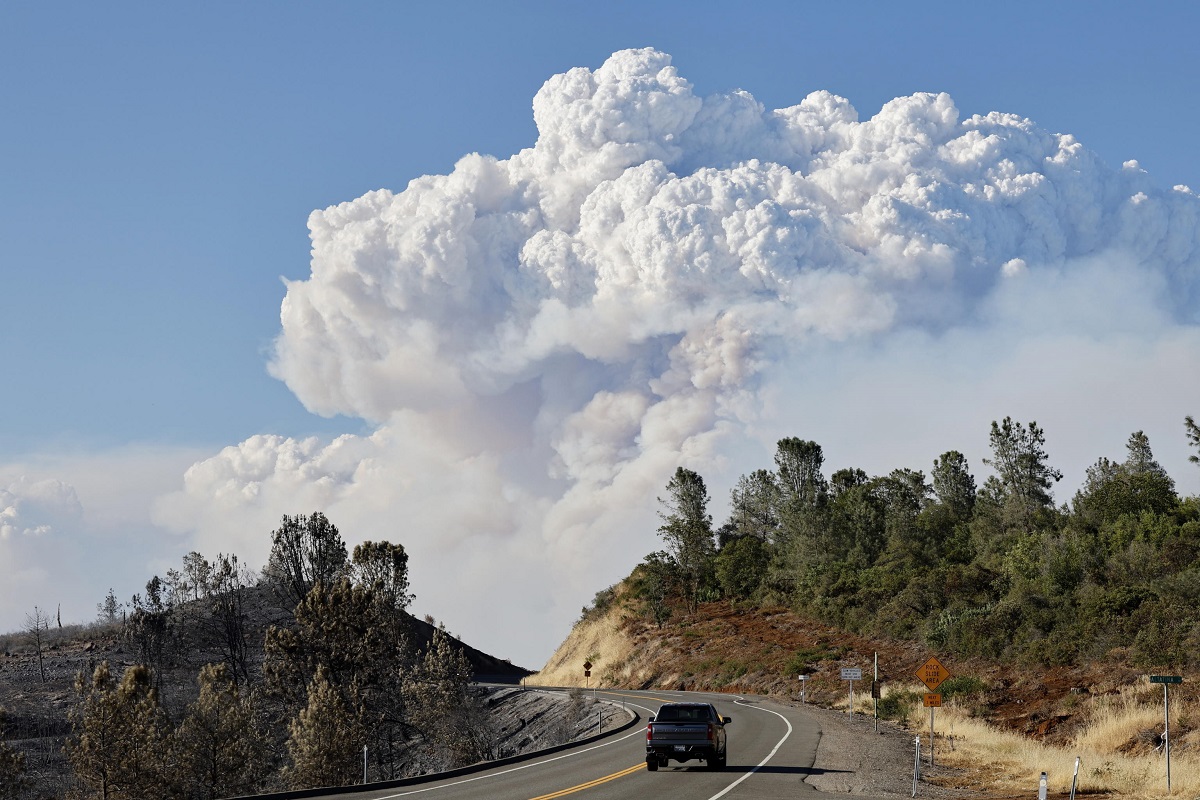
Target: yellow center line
[590, 784]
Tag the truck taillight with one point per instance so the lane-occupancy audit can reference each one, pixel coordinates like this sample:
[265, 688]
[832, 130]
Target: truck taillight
[712, 732]
[649, 733]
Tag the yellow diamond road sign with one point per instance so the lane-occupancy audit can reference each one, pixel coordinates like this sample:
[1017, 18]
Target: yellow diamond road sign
[932, 673]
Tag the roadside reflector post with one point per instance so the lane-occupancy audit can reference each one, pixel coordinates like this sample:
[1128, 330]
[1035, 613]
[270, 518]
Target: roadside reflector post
[803, 683]
[1042, 787]
[916, 764]
[600, 714]
[1075, 778]
[364, 765]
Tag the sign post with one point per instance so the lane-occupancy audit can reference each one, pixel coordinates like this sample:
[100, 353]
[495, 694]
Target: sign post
[875, 691]
[1166, 681]
[587, 673]
[933, 675]
[851, 674]
[803, 683]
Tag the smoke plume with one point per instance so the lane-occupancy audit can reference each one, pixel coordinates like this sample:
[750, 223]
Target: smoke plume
[663, 279]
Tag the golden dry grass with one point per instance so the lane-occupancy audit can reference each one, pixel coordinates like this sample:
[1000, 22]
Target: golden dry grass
[1007, 761]
[599, 638]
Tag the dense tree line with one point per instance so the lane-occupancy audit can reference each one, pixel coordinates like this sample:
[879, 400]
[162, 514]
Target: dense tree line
[339, 672]
[996, 570]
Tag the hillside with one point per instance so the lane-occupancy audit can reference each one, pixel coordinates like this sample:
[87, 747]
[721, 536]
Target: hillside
[34, 712]
[725, 648]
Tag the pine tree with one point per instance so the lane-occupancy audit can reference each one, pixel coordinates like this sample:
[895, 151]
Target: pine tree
[1193, 436]
[326, 741]
[119, 735]
[443, 709]
[1024, 475]
[218, 750]
[687, 529]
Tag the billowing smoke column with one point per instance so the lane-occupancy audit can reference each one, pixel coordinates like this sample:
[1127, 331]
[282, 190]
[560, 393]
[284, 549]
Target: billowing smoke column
[540, 340]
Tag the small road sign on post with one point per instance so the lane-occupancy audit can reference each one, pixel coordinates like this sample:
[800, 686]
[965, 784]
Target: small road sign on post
[851, 674]
[1166, 681]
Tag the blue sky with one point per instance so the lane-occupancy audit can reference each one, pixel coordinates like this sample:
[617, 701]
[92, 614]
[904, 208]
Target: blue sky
[161, 161]
[162, 158]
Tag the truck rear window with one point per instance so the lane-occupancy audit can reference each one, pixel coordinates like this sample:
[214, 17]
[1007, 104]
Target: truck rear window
[682, 714]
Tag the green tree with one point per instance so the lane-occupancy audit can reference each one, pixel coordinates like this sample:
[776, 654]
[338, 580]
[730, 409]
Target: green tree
[953, 485]
[305, 550]
[740, 566]
[754, 506]
[1136, 486]
[655, 582]
[798, 464]
[218, 750]
[1193, 436]
[325, 740]
[687, 530]
[1022, 469]
[804, 495]
[905, 496]
[119, 735]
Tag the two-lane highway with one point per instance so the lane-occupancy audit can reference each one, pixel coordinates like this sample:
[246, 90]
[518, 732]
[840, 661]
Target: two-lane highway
[772, 749]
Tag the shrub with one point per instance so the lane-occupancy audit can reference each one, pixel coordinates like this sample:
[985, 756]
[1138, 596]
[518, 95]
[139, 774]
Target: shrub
[962, 686]
[898, 705]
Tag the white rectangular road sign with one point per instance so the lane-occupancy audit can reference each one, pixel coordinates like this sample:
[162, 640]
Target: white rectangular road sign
[851, 674]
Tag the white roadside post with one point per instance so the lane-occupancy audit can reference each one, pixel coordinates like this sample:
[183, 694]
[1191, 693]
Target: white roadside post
[916, 764]
[364, 765]
[1075, 778]
[1042, 787]
[803, 683]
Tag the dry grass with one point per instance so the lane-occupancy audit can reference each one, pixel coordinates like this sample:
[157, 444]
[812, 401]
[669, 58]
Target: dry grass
[599, 638]
[1115, 751]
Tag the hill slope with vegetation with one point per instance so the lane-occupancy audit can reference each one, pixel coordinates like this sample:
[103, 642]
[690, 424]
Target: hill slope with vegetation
[996, 572]
[218, 682]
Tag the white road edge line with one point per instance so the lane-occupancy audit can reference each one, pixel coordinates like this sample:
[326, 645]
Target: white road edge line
[770, 755]
[636, 732]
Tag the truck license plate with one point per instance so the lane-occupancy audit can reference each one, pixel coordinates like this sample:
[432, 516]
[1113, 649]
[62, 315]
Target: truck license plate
[679, 748]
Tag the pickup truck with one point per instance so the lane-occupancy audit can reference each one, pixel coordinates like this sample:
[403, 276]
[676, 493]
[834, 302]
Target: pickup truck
[683, 731]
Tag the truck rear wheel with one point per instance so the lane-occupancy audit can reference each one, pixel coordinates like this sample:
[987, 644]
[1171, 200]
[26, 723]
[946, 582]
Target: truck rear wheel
[652, 764]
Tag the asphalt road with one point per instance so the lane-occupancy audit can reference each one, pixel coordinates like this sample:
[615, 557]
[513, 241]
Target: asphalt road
[772, 749]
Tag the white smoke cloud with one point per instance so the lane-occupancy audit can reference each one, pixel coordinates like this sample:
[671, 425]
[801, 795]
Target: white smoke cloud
[73, 526]
[665, 279]
[33, 507]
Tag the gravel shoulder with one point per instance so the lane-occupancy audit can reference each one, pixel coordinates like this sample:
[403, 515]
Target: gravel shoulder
[852, 758]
